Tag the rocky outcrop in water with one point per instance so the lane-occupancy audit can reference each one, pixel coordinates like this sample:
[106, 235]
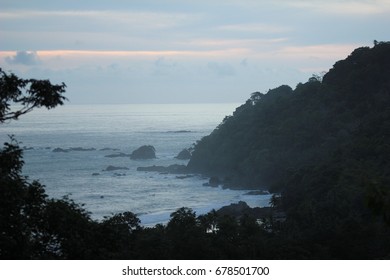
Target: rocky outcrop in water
[174, 168]
[184, 155]
[213, 182]
[185, 176]
[144, 152]
[114, 168]
[60, 150]
[76, 149]
[259, 192]
[109, 149]
[180, 131]
[80, 149]
[117, 155]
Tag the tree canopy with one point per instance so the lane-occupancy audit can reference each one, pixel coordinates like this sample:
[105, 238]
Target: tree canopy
[324, 147]
[26, 94]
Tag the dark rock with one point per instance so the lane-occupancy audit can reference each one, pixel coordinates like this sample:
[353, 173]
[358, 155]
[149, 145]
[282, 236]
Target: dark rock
[108, 149]
[184, 155]
[174, 168]
[259, 192]
[184, 177]
[180, 131]
[118, 155]
[213, 182]
[77, 149]
[59, 150]
[80, 149]
[144, 152]
[113, 168]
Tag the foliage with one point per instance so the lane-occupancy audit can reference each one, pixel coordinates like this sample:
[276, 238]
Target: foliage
[324, 147]
[23, 224]
[288, 129]
[28, 94]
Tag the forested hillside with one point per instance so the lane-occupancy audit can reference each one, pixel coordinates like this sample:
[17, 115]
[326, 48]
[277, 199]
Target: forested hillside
[272, 135]
[325, 146]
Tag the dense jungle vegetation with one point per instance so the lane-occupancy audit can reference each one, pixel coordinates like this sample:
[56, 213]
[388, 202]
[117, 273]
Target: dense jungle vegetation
[322, 147]
[325, 146]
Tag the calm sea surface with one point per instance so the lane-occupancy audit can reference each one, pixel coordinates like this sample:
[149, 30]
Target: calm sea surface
[102, 130]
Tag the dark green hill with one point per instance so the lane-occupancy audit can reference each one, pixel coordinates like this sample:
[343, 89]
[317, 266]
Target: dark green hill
[274, 134]
[325, 146]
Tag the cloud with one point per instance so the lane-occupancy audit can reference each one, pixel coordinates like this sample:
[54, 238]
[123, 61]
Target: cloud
[343, 7]
[92, 20]
[254, 27]
[221, 69]
[24, 57]
[93, 29]
[163, 66]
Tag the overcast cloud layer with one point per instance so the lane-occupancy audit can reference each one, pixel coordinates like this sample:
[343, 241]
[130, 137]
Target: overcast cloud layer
[182, 51]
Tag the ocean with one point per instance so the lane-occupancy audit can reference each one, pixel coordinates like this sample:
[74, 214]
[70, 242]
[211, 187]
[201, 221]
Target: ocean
[98, 131]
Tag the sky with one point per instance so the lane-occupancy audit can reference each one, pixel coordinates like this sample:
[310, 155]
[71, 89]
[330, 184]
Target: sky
[176, 51]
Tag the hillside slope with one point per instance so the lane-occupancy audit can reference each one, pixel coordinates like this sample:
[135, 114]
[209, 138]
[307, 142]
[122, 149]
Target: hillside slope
[325, 147]
[272, 135]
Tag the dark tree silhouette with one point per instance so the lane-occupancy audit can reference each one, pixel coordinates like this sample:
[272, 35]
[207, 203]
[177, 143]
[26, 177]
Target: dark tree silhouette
[27, 94]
